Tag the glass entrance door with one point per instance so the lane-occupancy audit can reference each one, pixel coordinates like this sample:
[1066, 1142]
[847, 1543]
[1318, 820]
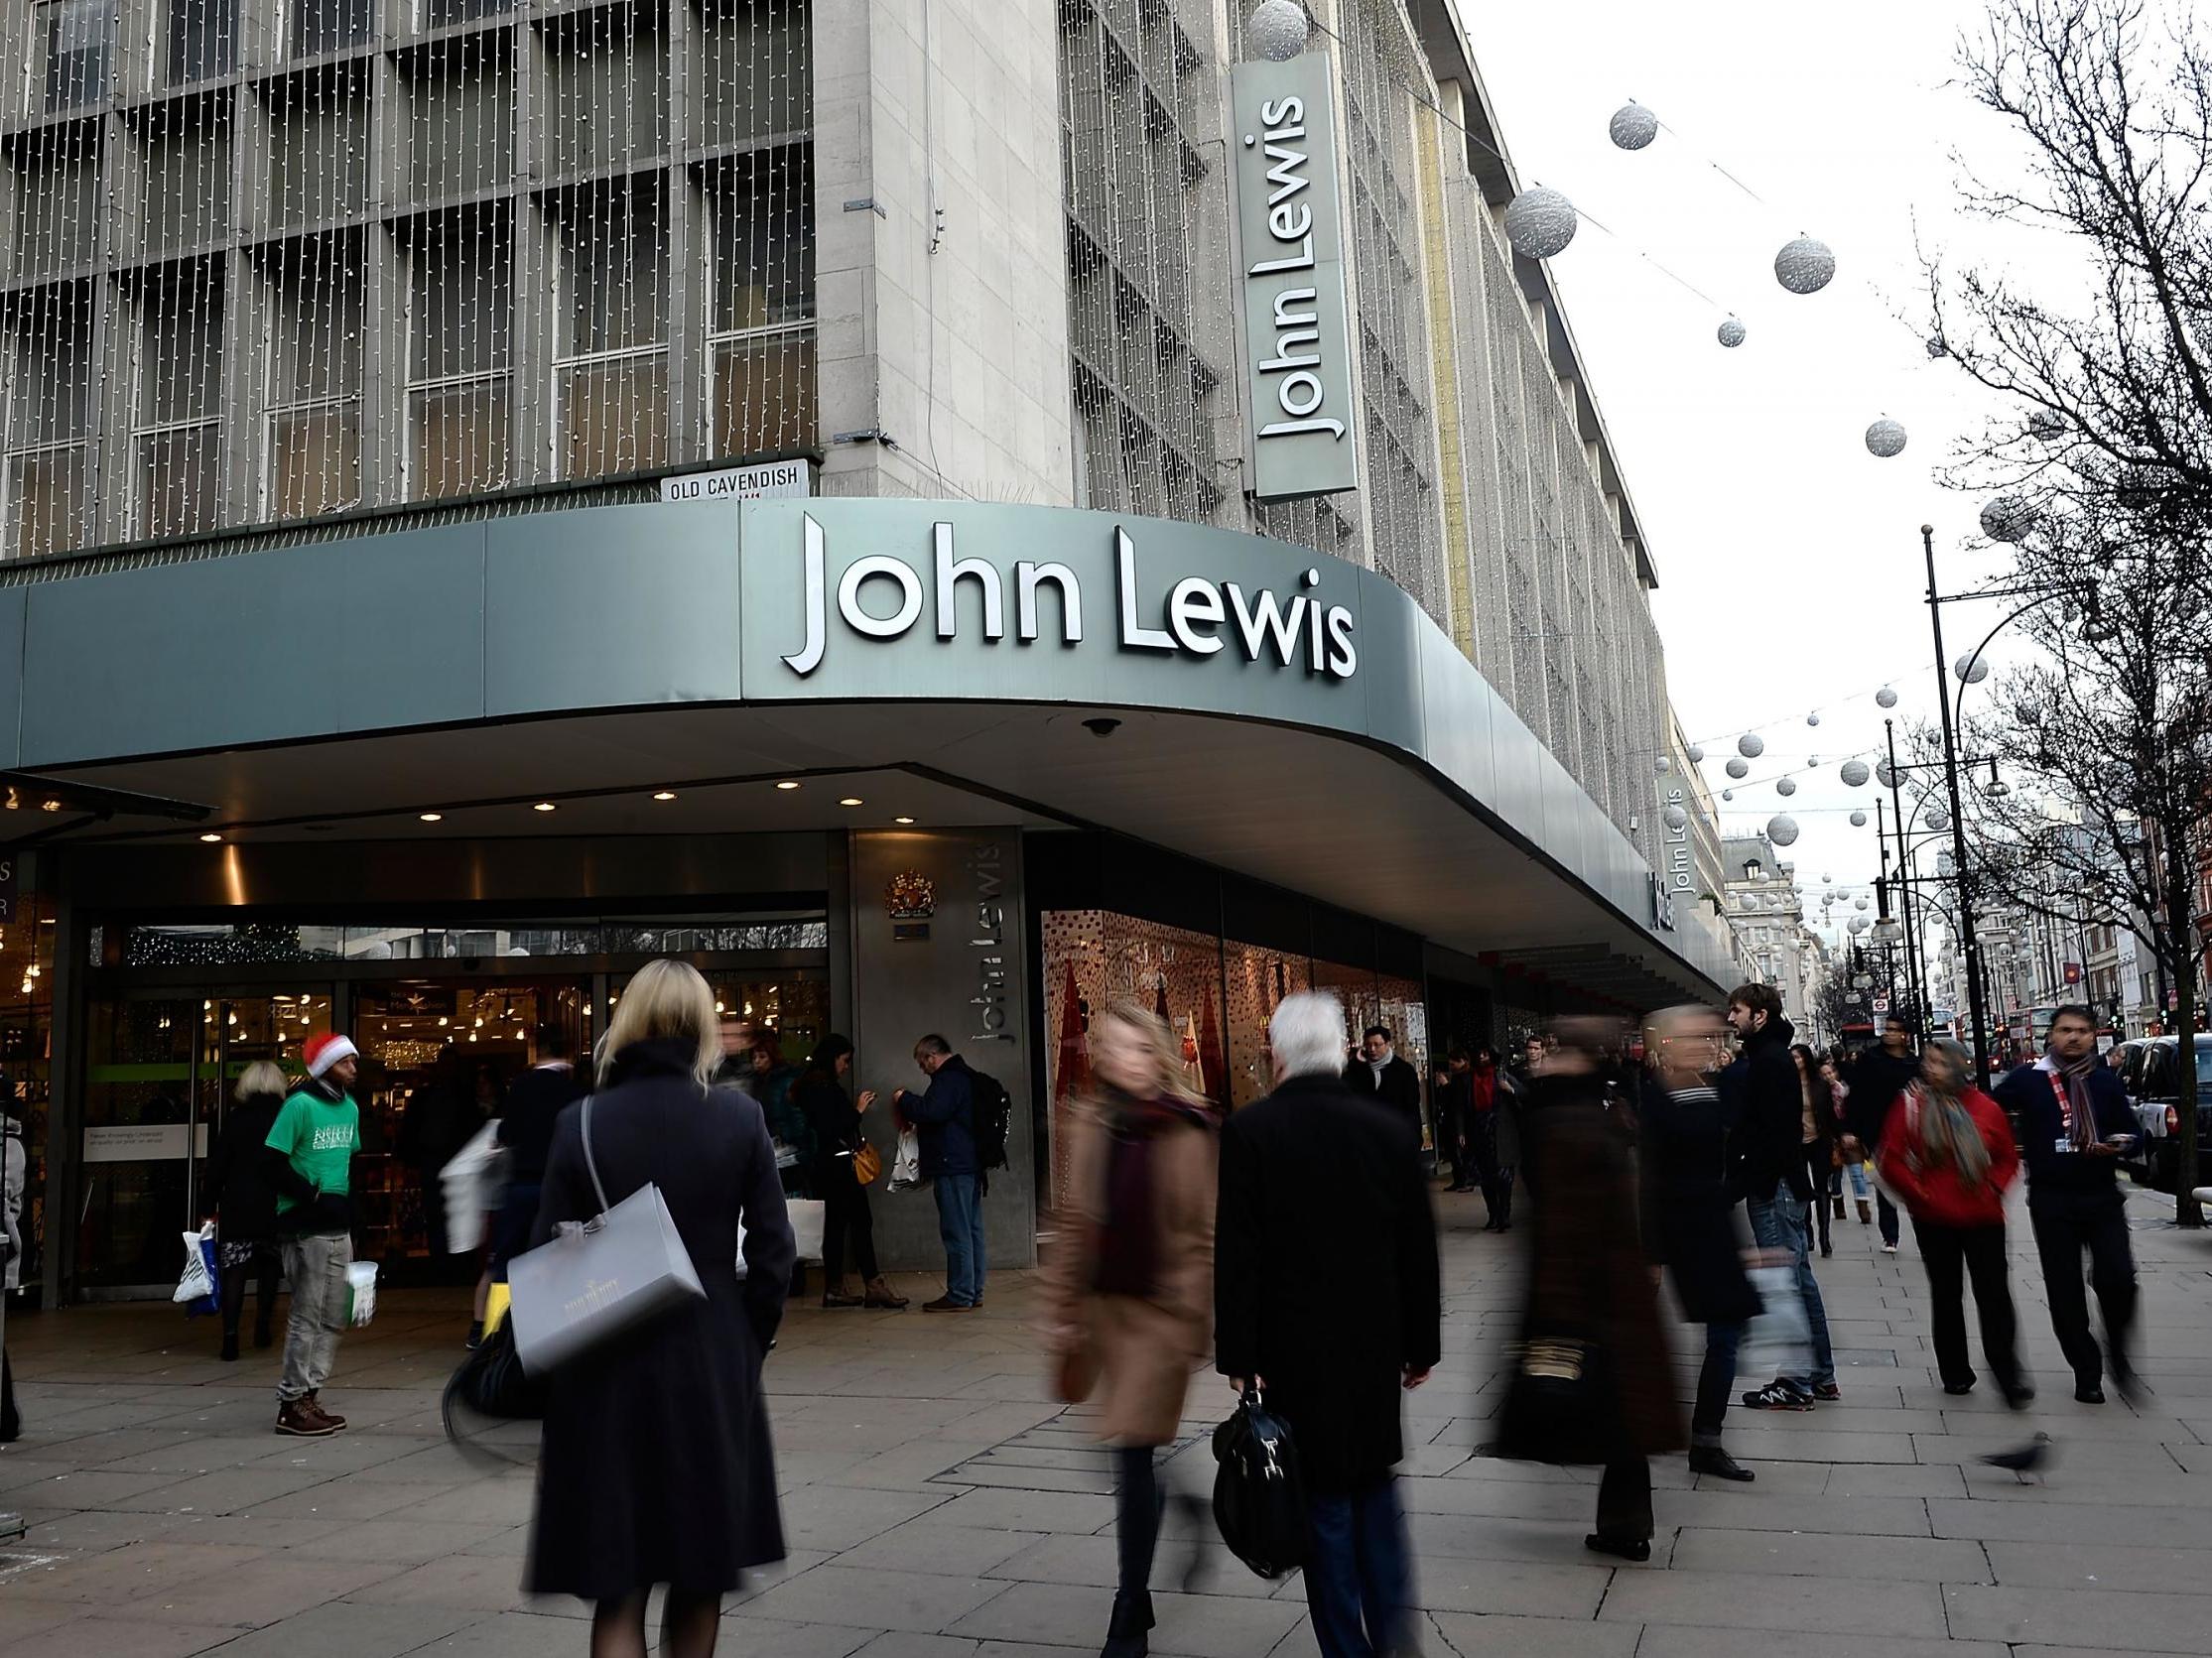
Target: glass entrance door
[156, 1093]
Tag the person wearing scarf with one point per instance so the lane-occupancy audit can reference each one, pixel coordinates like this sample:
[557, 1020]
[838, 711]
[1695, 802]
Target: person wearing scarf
[1129, 1280]
[1947, 1152]
[2074, 1121]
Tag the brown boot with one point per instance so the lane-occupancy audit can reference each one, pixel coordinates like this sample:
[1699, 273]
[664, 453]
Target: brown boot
[1838, 1206]
[300, 1419]
[881, 1294]
[1864, 1214]
[331, 1417]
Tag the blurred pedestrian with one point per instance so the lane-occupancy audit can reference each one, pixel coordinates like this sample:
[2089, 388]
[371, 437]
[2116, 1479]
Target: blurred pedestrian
[533, 1109]
[1850, 1158]
[442, 1115]
[835, 1118]
[1128, 1288]
[1879, 1077]
[944, 1116]
[15, 1172]
[1595, 1381]
[1493, 1136]
[734, 1069]
[656, 1465]
[2074, 1121]
[309, 1159]
[1948, 1154]
[1763, 1095]
[1456, 1117]
[1818, 1128]
[1325, 1298]
[1691, 1225]
[244, 1207]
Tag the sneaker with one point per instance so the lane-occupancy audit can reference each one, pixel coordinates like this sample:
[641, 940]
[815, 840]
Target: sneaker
[1888, 1249]
[300, 1419]
[331, 1417]
[946, 1304]
[1711, 1459]
[1828, 1393]
[1777, 1396]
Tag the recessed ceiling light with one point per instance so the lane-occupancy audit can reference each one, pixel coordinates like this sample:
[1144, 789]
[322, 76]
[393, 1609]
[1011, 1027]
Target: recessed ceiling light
[433, 817]
[851, 800]
[544, 806]
[787, 783]
[210, 837]
[664, 794]
[902, 820]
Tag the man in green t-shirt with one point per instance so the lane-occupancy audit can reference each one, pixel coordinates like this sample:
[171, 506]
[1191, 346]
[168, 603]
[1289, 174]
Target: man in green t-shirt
[310, 1162]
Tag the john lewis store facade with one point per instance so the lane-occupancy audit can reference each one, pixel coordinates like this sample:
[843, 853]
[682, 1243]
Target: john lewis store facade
[883, 767]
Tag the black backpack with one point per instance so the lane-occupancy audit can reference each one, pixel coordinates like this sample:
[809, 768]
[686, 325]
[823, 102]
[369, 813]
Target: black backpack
[991, 1121]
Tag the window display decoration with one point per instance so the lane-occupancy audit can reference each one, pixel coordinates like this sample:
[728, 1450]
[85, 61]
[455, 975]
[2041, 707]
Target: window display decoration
[1633, 126]
[1805, 266]
[1540, 222]
[1886, 439]
[1731, 332]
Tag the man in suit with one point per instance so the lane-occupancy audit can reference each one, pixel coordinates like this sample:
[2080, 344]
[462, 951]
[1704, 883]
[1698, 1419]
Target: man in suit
[2074, 1121]
[1378, 1074]
[1325, 1298]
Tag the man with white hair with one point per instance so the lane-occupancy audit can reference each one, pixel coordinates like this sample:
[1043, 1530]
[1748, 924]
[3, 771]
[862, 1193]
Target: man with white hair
[1325, 1298]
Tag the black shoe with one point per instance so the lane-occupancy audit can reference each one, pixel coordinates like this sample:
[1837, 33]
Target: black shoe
[230, 1346]
[2089, 1393]
[841, 1301]
[1711, 1459]
[1636, 1549]
[1128, 1634]
[2020, 1397]
[262, 1336]
[946, 1304]
[475, 1336]
[1826, 1248]
[1958, 1390]
[1777, 1396]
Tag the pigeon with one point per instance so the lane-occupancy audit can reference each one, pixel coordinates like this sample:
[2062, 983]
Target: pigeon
[2025, 1461]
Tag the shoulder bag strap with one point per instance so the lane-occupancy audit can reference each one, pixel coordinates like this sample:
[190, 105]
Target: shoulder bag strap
[590, 1162]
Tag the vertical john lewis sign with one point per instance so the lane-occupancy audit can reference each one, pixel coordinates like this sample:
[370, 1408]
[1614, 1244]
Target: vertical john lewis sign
[1296, 346]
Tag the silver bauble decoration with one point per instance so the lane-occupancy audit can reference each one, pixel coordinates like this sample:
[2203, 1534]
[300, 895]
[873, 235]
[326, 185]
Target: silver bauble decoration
[1782, 829]
[1858, 819]
[1814, 761]
[1972, 669]
[1278, 30]
[1854, 774]
[1738, 767]
[2046, 424]
[1539, 222]
[1662, 765]
[1786, 787]
[1936, 347]
[1633, 126]
[1938, 818]
[1804, 266]
[1946, 864]
[2008, 518]
[1885, 438]
[1750, 746]
[1728, 794]
[1887, 775]
[1812, 719]
[1858, 903]
[1731, 333]
[1884, 699]
[1859, 924]
[1828, 880]
[1696, 754]
[1675, 817]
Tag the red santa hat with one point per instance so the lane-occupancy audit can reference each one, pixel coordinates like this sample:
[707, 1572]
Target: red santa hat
[324, 1049]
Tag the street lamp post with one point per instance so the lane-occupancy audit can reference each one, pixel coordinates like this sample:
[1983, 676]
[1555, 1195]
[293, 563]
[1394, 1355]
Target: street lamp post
[1969, 945]
[1913, 973]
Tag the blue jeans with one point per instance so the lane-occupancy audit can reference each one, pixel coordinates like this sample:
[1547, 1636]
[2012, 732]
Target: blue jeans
[1715, 1379]
[960, 1222]
[1778, 1222]
[1359, 1579]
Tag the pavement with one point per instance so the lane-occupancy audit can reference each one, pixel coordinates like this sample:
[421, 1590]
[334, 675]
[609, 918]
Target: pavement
[939, 1506]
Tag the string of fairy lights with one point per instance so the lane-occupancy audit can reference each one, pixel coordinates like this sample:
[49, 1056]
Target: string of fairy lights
[420, 250]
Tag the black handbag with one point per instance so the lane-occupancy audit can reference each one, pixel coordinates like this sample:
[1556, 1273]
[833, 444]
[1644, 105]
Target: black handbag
[1260, 1496]
[1561, 1405]
[492, 1386]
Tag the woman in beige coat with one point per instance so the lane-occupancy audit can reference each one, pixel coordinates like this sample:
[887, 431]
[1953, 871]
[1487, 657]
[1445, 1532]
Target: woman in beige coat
[1130, 1284]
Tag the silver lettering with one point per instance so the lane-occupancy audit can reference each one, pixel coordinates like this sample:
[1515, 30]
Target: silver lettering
[1028, 578]
[809, 656]
[950, 572]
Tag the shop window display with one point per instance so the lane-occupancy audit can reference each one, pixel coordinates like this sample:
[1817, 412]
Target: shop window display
[25, 1069]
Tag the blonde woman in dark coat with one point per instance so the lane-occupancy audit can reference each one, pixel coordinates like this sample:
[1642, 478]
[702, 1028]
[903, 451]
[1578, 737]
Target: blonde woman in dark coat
[1129, 1287]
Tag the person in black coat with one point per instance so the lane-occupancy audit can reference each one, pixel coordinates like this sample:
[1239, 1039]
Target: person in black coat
[243, 1205]
[1878, 1077]
[1690, 1222]
[2074, 1121]
[533, 1108]
[1820, 1150]
[834, 1118]
[1455, 1119]
[656, 1465]
[1325, 1298]
[1378, 1073]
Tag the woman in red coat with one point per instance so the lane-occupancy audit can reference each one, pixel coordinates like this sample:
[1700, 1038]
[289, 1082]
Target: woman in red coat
[1947, 1152]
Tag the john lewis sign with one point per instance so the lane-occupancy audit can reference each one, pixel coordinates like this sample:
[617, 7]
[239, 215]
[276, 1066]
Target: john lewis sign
[1296, 347]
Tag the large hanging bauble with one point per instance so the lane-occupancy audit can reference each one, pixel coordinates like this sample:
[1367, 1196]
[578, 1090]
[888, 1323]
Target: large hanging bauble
[1662, 765]
[1858, 819]
[1738, 767]
[1884, 699]
[1278, 30]
[1812, 719]
[1539, 222]
[1885, 438]
[1887, 775]
[1858, 903]
[1633, 126]
[2046, 424]
[1859, 924]
[1805, 266]
[1750, 746]
[1938, 818]
[2008, 518]
[1675, 817]
[1782, 829]
[1786, 787]
[1731, 333]
[1854, 774]
[1696, 754]
[1972, 669]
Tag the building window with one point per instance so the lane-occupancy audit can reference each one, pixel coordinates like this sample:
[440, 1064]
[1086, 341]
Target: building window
[459, 361]
[175, 447]
[79, 36]
[46, 445]
[611, 380]
[202, 39]
[319, 26]
[761, 212]
[314, 389]
[444, 14]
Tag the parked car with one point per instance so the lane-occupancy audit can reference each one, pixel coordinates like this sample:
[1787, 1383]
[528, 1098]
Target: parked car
[2149, 1070]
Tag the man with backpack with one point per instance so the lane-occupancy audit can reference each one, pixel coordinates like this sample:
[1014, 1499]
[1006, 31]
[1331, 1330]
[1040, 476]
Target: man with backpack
[961, 1122]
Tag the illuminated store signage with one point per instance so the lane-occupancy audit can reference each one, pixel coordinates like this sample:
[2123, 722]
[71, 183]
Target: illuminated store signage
[1296, 348]
[881, 596]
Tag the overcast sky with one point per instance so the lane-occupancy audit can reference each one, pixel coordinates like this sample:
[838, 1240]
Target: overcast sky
[1789, 561]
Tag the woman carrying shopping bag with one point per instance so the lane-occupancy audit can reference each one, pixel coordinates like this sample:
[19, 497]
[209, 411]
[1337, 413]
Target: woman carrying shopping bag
[1947, 1152]
[244, 1206]
[839, 1145]
[1129, 1288]
[656, 1465]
